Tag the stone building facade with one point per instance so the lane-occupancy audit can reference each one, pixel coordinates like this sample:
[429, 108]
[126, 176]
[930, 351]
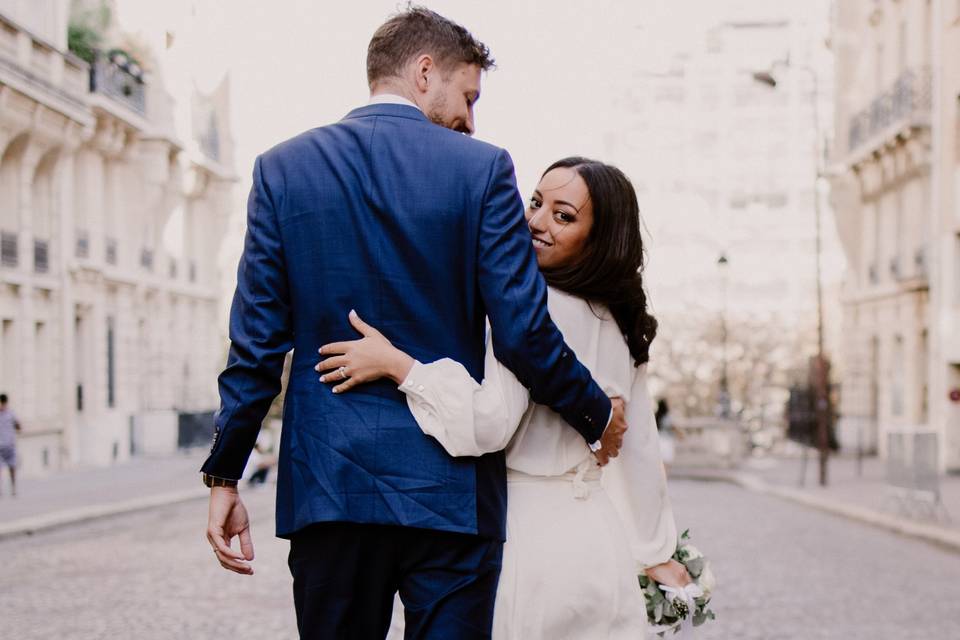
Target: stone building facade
[111, 215]
[895, 186]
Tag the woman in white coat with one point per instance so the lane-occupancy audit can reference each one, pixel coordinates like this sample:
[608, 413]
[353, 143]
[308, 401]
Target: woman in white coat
[584, 224]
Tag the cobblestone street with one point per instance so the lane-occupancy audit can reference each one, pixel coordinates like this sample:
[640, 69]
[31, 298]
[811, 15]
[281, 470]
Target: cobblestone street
[784, 571]
[787, 572]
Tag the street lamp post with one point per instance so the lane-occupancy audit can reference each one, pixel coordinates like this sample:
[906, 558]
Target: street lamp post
[820, 373]
[724, 398]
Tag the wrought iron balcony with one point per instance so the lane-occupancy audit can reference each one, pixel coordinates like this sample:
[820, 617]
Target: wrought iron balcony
[120, 80]
[41, 256]
[8, 249]
[905, 104]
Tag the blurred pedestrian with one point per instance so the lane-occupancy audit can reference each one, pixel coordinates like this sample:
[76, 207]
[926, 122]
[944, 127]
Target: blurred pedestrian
[262, 460]
[8, 441]
[665, 431]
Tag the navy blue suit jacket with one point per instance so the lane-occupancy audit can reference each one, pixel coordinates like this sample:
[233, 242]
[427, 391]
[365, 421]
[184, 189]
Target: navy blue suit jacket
[421, 230]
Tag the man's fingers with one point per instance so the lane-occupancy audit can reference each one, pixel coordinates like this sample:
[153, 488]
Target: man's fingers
[236, 566]
[227, 557]
[246, 544]
[221, 547]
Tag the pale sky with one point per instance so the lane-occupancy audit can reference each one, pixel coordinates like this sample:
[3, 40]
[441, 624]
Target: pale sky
[298, 64]
[561, 87]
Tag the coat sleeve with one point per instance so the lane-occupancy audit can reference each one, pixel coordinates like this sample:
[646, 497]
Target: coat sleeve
[260, 336]
[515, 296]
[637, 484]
[466, 418]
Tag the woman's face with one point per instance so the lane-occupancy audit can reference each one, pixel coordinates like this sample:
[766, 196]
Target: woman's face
[559, 216]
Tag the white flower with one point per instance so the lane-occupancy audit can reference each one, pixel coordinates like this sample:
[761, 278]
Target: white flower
[692, 552]
[707, 580]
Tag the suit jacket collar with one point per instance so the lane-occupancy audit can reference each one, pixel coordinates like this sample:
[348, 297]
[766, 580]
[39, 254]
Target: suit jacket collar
[387, 109]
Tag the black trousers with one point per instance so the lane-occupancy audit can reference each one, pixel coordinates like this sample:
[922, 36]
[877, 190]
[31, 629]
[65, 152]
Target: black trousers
[345, 576]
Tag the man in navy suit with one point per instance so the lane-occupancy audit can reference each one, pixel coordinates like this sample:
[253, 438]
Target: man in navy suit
[421, 230]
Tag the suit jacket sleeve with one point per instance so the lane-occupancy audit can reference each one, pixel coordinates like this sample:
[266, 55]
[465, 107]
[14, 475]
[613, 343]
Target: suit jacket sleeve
[515, 295]
[260, 336]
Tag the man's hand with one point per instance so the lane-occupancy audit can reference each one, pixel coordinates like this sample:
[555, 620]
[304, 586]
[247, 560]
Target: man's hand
[612, 438]
[228, 518]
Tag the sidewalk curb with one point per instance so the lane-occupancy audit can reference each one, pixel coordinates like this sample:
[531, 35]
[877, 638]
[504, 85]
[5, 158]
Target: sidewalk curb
[938, 536]
[46, 522]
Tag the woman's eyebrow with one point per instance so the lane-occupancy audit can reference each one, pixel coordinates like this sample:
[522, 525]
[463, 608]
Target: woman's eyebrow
[569, 204]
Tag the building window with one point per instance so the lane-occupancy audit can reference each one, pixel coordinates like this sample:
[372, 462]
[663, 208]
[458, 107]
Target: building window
[83, 244]
[41, 256]
[8, 249]
[111, 364]
[873, 264]
[956, 269]
[923, 386]
[896, 387]
[903, 46]
[9, 358]
[41, 351]
[111, 251]
[879, 69]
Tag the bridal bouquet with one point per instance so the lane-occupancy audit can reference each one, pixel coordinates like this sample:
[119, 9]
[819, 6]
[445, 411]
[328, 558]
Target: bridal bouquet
[669, 608]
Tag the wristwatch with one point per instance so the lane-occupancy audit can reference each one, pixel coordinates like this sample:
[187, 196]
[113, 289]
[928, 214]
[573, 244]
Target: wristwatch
[214, 481]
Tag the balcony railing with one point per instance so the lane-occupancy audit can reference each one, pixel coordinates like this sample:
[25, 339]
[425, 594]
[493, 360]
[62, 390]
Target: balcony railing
[8, 249]
[907, 102]
[115, 79]
[41, 256]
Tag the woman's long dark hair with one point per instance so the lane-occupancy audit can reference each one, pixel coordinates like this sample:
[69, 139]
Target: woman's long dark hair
[610, 269]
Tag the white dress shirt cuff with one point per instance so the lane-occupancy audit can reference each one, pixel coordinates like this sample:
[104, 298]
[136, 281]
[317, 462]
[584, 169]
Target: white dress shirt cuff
[596, 446]
[411, 384]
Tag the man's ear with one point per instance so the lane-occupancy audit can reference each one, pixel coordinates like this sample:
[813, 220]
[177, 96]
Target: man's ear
[425, 72]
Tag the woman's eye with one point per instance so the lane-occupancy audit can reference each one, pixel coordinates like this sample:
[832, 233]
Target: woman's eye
[563, 216]
[534, 203]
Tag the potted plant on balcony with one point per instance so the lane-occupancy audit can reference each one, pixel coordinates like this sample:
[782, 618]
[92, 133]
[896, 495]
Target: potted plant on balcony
[85, 32]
